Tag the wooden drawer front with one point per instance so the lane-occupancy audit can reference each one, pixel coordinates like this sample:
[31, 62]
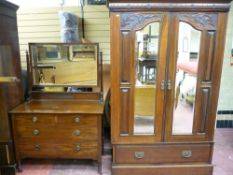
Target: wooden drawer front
[56, 132]
[86, 150]
[163, 170]
[163, 154]
[33, 120]
[77, 120]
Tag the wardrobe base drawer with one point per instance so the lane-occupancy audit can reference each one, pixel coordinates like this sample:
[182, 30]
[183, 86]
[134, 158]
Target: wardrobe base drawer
[162, 154]
[162, 170]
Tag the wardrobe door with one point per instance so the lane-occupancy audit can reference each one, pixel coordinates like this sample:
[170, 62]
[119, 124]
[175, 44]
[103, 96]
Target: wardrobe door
[194, 70]
[138, 52]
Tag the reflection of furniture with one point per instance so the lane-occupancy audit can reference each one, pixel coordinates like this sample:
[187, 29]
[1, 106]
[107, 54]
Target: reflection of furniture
[61, 124]
[162, 151]
[147, 70]
[60, 63]
[144, 96]
[10, 86]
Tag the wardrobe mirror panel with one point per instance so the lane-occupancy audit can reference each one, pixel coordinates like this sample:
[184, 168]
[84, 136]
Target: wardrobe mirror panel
[186, 79]
[146, 57]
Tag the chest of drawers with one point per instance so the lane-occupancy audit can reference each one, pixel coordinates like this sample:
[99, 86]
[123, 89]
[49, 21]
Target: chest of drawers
[58, 132]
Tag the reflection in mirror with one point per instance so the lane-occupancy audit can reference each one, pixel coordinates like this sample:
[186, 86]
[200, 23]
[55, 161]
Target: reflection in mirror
[147, 42]
[186, 79]
[64, 65]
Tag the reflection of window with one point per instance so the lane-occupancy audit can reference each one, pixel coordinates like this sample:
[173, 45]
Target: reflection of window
[185, 44]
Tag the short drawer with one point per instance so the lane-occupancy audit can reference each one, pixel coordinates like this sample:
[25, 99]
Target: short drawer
[30, 132]
[200, 169]
[162, 154]
[87, 150]
[77, 120]
[33, 119]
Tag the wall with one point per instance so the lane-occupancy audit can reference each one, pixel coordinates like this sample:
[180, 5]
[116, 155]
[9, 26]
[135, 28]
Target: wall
[42, 25]
[226, 90]
[225, 104]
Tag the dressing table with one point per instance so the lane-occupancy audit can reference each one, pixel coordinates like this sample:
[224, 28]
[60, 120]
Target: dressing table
[62, 118]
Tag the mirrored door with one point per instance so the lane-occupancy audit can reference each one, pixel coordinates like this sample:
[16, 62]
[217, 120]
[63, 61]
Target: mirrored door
[141, 86]
[190, 77]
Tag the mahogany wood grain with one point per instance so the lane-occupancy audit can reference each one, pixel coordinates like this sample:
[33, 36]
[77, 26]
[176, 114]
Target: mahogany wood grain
[59, 107]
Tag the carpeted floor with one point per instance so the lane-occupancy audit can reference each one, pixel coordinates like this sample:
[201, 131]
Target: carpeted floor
[222, 159]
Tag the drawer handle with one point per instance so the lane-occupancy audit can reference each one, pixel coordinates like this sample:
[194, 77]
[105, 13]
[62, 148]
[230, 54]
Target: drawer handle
[139, 155]
[37, 147]
[77, 132]
[34, 119]
[187, 154]
[77, 119]
[36, 132]
[77, 147]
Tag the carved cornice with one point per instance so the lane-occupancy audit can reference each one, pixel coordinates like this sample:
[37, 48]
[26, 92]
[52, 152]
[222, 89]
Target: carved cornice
[201, 21]
[171, 7]
[137, 21]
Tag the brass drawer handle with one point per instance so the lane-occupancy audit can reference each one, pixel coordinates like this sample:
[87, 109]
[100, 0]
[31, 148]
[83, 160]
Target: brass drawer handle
[37, 147]
[187, 154]
[77, 147]
[139, 155]
[77, 119]
[36, 132]
[77, 132]
[34, 119]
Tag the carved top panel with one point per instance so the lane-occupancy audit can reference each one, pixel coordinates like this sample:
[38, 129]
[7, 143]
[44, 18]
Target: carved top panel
[135, 21]
[201, 21]
[171, 7]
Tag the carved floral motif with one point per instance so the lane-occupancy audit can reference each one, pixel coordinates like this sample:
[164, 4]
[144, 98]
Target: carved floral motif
[137, 21]
[201, 21]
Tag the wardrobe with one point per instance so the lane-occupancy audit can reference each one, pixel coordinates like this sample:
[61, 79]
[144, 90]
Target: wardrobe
[166, 62]
[10, 83]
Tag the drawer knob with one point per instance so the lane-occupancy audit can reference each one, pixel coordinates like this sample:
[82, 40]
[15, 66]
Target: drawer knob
[36, 132]
[139, 155]
[37, 147]
[77, 119]
[186, 154]
[77, 132]
[34, 119]
[77, 148]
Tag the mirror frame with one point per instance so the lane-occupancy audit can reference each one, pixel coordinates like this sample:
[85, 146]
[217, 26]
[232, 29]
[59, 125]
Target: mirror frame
[98, 88]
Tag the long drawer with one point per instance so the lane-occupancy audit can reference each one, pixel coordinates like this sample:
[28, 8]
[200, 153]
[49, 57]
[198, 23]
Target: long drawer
[85, 150]
[202, 169]
[162, 154]
[55, 133]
